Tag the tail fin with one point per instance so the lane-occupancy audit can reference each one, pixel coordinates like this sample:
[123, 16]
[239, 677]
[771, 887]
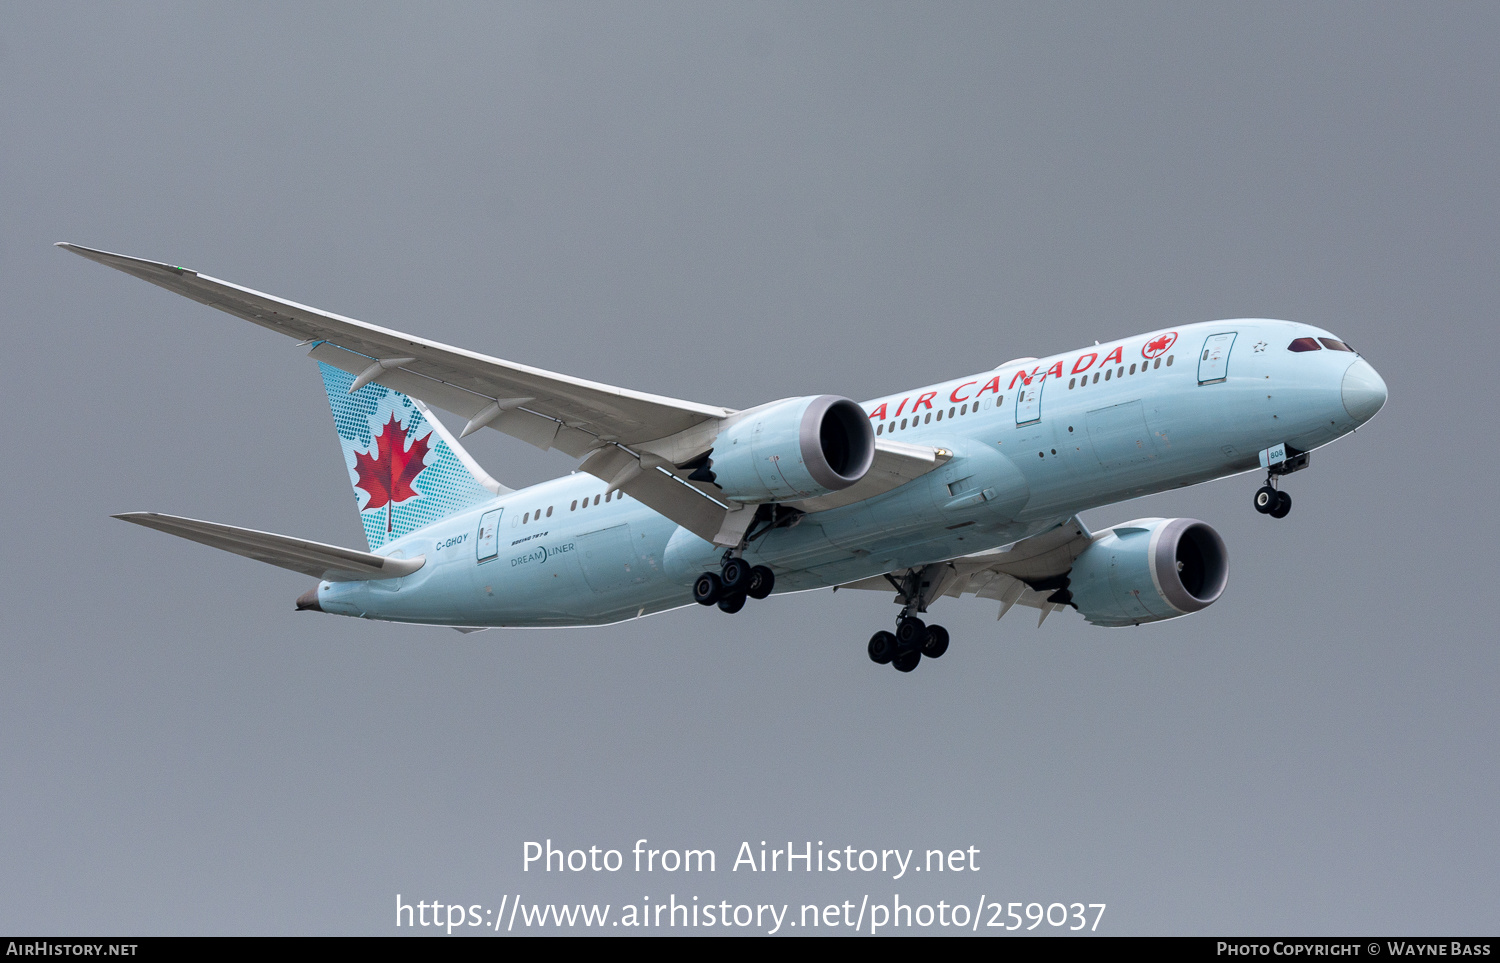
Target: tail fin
[407, 470]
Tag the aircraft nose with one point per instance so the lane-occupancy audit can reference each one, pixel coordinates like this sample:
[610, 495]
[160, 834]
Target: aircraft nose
[1364, 391]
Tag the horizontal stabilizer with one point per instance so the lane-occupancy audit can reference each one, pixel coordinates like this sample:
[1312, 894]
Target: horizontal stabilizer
[328, 562]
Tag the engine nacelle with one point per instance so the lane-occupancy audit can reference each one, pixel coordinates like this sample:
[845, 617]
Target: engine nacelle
[1149, 570]
[792, 449]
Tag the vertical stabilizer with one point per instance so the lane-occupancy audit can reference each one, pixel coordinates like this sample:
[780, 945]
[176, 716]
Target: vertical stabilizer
[407, 470]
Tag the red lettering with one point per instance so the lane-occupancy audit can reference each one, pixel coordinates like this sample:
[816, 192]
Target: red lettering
[1020, 376]
[924, 400]
[1055, 370]
[898, 410]
[1115, 355]
[955, 398]
[879, 412]
[992, 385]
[1080, 366]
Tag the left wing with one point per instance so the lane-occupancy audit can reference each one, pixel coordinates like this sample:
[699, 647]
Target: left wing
[549, 410]
[1028, 572]
[632, 440]
[546, 409]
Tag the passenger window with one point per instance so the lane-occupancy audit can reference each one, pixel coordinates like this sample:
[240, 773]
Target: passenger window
[1121, 372]
[1108, 373]
[1071, 382]
[1096, 377]
[952, 412]
[549, 511]
[1304, 344]
[1169, 360]
[1335, 345]
[880, 429]
[1132, 369]
[596, 499]
[608, 496]
[573, 507]
[964, 410]
[903, 423]
[1156, 364]
[525, 518]
[927, 420]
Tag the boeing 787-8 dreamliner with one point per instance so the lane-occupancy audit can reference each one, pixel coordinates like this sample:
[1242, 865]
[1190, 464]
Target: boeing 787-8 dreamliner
[972, 486]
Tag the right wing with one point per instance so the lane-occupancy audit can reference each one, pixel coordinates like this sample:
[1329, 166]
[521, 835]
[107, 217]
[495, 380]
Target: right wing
[1028, 572]
[327, 562]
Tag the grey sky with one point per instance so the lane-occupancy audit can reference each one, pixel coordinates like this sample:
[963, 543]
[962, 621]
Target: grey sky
[733, 204]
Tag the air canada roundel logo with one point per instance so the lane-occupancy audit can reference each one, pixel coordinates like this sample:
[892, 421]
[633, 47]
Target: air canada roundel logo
[1158, 345]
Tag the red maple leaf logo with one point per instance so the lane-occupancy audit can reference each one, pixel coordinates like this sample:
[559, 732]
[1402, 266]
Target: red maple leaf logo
[389, 474]
[1159, 345]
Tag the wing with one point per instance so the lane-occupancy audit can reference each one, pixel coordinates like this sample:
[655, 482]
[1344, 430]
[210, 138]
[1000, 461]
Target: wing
[1028, 572]
[549, 410]
[630, 439]
[298, 554]
[546, 409]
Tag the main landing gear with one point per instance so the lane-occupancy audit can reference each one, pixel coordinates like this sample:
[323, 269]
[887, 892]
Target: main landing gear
[913, 638]
[736, 581]
[904, 648]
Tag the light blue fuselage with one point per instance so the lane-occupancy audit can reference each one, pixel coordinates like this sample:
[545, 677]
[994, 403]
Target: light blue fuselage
[1024, 458]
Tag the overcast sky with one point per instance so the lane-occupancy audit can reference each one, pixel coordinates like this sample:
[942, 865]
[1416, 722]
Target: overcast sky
[732, 204]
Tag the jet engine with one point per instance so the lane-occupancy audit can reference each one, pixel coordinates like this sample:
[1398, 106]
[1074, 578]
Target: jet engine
[788, 450]
[1149, 570]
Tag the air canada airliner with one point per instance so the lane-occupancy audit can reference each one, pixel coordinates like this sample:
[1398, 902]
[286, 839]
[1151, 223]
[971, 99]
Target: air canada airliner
[972, 486]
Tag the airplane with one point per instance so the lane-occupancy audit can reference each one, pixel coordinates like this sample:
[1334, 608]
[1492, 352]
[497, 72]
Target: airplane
[968, 487]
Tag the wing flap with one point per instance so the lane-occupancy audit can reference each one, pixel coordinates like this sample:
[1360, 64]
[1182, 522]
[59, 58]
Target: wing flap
[651, 482]
[328, 562]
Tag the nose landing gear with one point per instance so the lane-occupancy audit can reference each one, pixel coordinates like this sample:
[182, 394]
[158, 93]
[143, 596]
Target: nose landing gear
[1278, 461]
[1270, 501]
